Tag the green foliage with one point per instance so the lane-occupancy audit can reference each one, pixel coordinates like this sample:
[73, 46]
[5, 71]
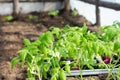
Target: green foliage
[14, 61]
[67, 68]
[30, 16]
[109, 33]
[62, 75]
[53, 13]
[7, 18]
[118, 73]
[116, 24]
[74, 12]
[44, 56]
[117, 46]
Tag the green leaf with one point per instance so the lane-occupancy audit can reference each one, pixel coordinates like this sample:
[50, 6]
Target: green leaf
[62, 75]
[53, 78]
[89, 66]
[29, 57]
[116, 45]
[67, 69]
[95, 47]
[30, 66]
[55, 62]
[14, 61]
[33, 50]
[23, 54]
[56, 32]
[116, 24]
[53, 13]
[7, 18]
[46, 67]
[26, 42]
[30, 78]
[74, 12]
[84, 29]
[44, 50]
[46, 38]
[49, 37]
[55, 70]
[30, 16]
[109, 33]
[36, 43]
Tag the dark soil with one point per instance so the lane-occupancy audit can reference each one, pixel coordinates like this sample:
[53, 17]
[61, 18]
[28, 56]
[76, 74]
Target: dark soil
[12, 34]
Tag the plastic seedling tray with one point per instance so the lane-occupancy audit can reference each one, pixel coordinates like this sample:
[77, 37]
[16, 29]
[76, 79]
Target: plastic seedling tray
[90, 72]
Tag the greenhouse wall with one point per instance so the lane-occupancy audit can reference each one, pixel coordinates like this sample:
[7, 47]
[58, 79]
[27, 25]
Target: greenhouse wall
[31, 0]
[26, 7]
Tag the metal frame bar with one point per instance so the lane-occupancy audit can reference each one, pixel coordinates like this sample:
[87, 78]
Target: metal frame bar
[90, 72]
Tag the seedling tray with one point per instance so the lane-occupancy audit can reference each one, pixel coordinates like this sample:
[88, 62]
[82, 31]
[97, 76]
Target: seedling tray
[90, 72]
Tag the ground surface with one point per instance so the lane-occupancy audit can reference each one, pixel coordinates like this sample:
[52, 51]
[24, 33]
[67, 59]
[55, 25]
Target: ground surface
[12, 35]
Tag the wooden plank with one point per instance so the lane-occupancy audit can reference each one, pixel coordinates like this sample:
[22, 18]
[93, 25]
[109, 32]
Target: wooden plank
[115, 6]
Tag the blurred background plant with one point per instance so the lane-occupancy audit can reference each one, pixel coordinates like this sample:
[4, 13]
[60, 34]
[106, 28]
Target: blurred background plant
[53, 13]
[7, 18]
